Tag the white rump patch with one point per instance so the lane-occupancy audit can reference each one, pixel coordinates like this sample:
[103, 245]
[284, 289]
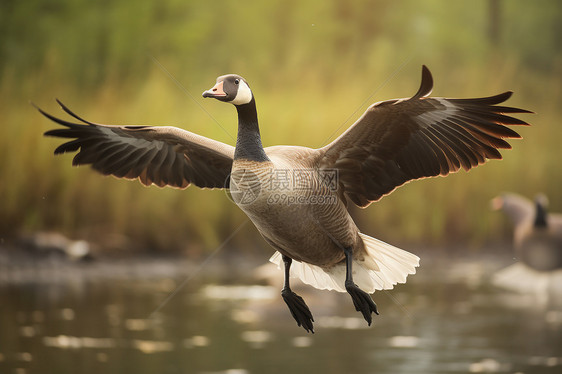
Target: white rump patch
[244, 94]
[383, 267]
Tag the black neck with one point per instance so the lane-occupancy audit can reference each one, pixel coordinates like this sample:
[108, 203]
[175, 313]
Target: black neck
[248, 144]
[540, 217]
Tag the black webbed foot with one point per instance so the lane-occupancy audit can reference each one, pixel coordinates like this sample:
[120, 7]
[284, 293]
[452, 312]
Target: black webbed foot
[296, 304]
[362, 301]
[298, 309]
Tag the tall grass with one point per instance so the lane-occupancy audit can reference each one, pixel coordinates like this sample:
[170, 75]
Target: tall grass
[306, 95]
[40, 191]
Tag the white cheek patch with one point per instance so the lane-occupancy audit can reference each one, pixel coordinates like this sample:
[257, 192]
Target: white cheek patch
[244, 94]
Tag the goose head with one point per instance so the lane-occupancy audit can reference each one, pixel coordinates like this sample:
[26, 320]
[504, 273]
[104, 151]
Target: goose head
[232, 89]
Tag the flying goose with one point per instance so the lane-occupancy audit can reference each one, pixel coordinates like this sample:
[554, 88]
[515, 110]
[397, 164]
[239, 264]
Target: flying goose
[537, 233]
[297, 196]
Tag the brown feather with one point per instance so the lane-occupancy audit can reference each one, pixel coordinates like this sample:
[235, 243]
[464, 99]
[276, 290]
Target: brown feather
[155, 155]
[396, 141]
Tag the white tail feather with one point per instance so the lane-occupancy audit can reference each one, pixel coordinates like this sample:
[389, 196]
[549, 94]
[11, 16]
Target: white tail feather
[383, 267]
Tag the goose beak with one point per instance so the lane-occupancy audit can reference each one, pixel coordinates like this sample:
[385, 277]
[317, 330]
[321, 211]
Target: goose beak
[216, 91]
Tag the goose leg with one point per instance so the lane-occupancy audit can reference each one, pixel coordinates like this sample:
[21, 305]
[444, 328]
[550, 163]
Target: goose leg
[361, 299]
[296, 304]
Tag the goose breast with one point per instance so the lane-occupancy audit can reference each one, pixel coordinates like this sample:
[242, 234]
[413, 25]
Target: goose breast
[296, 208]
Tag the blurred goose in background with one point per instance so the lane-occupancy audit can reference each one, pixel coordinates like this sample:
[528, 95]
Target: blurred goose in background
[537, 241]
[53, 244]
[537, 234]
[297, 197]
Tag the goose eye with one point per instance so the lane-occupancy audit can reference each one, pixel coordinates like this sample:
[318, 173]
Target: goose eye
[237, 81]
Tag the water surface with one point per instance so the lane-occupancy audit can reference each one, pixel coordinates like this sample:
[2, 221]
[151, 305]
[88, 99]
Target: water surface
[118, 317]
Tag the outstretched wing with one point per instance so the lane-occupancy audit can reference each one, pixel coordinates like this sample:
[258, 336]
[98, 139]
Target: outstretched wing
[160, 155]
[397, 141]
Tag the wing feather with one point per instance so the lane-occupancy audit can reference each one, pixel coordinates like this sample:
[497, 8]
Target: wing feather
[160, 155]
[400, 140]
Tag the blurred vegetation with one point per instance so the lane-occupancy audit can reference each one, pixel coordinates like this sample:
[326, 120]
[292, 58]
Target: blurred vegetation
[314, 66]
